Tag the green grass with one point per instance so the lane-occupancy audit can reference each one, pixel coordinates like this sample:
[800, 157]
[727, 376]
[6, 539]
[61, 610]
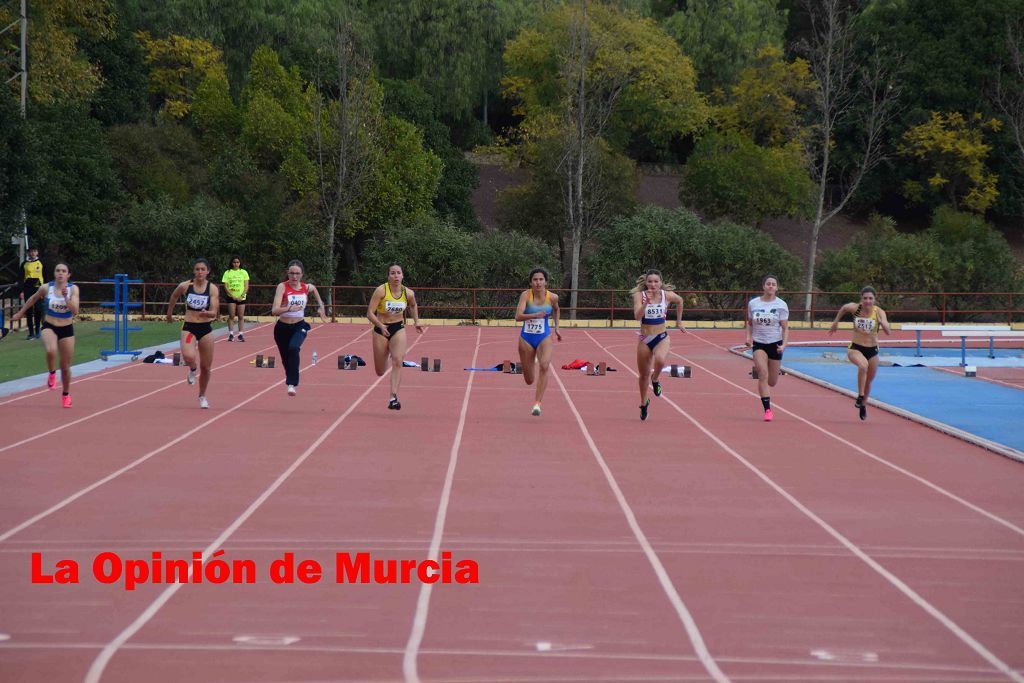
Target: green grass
[20, 358]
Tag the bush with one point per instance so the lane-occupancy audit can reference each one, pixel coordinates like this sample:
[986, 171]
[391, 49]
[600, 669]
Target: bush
[435, 253]
[959, 252]
[729, 175]
[690, 254]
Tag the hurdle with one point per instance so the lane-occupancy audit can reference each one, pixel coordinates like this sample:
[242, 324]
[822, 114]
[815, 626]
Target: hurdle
[975, 333]
[918, 329]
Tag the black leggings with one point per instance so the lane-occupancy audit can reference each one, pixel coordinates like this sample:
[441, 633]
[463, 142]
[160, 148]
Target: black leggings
[34, 316]
[289, 340]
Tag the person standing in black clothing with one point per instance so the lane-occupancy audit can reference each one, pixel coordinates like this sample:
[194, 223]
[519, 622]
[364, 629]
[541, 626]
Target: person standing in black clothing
[31, 281]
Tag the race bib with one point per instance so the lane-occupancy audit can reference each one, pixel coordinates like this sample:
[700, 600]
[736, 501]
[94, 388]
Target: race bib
[59, 305]
[394, 306]
[655, 311]
[296, 300]
[534, 326]
[197, 302]
[864, 325]
[765, 318]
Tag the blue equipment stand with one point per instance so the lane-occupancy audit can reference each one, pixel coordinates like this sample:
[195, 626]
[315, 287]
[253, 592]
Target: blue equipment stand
[121, 306]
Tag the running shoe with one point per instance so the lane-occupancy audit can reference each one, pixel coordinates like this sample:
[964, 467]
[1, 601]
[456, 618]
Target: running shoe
[768, 417]
[241, 337]
[393, 404]
[858, 403]
[191, 376]
[536, 409]
[203, 403]
[65, 400]
[231, 336]
[291, 390]
[657, 388]
[51, 381]
[863, 411]
[643, 409]
[30, 337]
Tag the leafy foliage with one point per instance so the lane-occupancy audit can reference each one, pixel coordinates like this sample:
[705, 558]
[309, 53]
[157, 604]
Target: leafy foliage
[729, 175]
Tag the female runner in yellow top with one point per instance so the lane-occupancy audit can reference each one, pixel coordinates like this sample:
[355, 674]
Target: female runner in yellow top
[58, 333]
[863, 350]
[202, 301]
[387, 311]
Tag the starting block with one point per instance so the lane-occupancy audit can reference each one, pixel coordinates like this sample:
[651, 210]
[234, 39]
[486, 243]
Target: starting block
[598, 369]
[426, 367]
[176, 359]
[510, 368]
[683, 371]
[348, 363]
[263, 362]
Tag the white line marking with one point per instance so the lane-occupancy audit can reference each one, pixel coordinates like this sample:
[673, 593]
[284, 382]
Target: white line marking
[909, 592]
[95, 672]
[652, 557]
[266, 640]
[65, 425]
[118, 472]
[419, 625]
[921, 480]
[104, 373]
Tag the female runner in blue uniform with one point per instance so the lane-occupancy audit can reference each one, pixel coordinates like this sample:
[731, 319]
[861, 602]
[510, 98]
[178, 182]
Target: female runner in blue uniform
[868, 318]
[202, 301]
[58, 333]
[535, 305]
[651, 300]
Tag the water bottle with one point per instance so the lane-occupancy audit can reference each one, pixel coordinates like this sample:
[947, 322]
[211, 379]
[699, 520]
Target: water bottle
[314, 358]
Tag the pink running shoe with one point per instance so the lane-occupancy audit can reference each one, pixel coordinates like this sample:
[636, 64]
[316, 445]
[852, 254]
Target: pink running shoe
[65, 400]
[51, 381]
[768, 415]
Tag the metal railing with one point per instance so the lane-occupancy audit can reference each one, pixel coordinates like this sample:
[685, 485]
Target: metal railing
[473, 305]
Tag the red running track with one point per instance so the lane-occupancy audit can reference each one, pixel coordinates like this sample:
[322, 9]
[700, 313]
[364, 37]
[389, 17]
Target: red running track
[700, 545]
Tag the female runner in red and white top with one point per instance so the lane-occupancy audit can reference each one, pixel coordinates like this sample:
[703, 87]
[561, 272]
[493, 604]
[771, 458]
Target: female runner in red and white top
[290, 301]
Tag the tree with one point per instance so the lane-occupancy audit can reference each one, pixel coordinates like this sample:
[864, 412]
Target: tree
[592, 75]
[728, 175]
[177, 66]
[452, 47]
[723, 37]
[17, 167]
[61, 73]
[408, 100]
[75, 191]
[537, 207]
[770, 102]
[951, 150]
[861, 95]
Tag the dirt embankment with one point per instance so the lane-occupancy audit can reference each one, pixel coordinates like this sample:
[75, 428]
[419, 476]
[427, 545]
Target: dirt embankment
[661, 188]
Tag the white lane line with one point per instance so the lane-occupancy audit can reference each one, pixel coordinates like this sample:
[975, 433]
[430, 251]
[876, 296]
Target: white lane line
[99, 664]
[102, 374]
[72, 423]
[696, 639]
[921, 480]
[117, 473]
[419, 624]
[898, 583]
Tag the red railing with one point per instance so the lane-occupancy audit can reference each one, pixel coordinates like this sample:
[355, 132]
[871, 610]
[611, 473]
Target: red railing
[596, 304]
